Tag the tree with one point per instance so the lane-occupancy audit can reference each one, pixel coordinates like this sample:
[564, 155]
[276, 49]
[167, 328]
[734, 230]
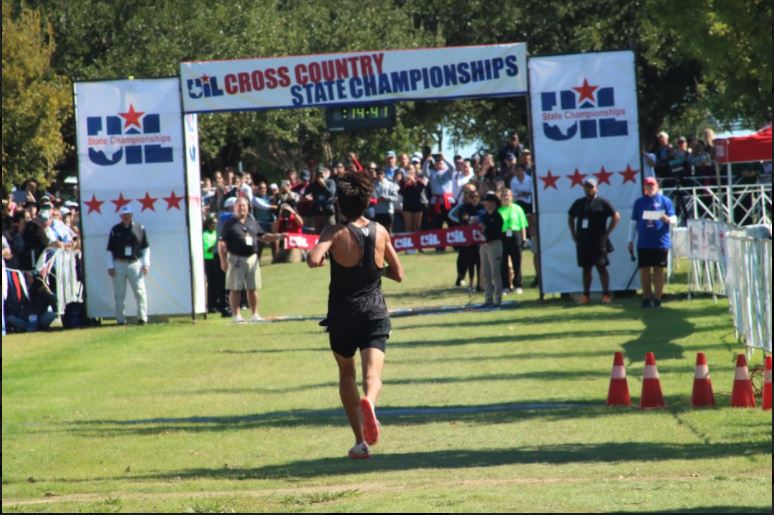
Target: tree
[35, 102]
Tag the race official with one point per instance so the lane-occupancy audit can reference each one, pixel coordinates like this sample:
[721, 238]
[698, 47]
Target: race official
[129, 260]
[588, 221]
[238, 251]
[652, 216]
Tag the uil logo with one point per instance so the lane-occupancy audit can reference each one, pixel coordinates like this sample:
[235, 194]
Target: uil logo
[133, 136]
[204, 86]
[590, 109]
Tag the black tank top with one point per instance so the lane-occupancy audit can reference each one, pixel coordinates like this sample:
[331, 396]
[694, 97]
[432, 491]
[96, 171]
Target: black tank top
[356, 292]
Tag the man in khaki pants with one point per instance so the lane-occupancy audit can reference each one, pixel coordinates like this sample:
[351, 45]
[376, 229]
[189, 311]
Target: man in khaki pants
[129, 259]
[238, 251]
[491, 252]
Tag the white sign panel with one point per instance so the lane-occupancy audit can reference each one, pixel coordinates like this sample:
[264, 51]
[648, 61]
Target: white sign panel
[130, 152]
[584, 119]
[354, 78]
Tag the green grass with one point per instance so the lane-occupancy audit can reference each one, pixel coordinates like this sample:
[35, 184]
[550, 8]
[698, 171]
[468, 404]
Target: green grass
[481, 411]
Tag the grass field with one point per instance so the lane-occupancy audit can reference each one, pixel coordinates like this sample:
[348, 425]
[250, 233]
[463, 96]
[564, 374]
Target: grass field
[481, 411]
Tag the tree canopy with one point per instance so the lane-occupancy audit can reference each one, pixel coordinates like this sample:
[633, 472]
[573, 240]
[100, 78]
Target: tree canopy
[699, 60]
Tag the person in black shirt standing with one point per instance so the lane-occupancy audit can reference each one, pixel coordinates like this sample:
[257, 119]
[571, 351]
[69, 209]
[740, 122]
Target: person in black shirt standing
[492, 250]
[238, 252]
[357, 314]
[590, 231]
[129, 259]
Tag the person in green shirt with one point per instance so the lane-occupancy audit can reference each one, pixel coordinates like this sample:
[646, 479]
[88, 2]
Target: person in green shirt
[515, 229]
[211, 264]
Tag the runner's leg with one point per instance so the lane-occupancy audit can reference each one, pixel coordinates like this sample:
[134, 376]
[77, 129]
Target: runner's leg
[348, 392]
[373, 363]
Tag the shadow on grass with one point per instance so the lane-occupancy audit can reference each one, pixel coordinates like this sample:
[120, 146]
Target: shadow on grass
[564, 375]
[718, 509]
[501, 413]
[607, 452]
[663, 328]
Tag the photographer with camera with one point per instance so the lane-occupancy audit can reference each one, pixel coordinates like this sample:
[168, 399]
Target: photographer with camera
[323, 193]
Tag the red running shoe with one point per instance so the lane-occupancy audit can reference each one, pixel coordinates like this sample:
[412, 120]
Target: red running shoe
[371, 429]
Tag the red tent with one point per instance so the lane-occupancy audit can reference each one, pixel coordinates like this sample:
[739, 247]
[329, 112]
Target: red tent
[756, 147]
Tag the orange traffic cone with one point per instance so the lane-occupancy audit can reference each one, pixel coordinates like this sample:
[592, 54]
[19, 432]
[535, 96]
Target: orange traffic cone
[702, 386]
[767, 384]
[651, 385]
[618, 393]
[742, 395]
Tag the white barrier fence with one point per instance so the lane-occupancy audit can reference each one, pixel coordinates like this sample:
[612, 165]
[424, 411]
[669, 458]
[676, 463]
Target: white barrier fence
[61, 265]
[748, 284]
[742, 204]
[736, 262]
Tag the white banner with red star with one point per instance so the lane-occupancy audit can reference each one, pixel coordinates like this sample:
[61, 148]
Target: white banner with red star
[131, 153]
[585, 125]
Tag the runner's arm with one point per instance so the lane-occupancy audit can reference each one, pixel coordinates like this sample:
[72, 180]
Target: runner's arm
[395, 269]
[316, 257]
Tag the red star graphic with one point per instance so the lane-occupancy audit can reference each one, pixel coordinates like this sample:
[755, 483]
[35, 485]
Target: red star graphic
[577, 178]
[629, 175]
[603, 176]
[94, 204]
[586, 91]
[132, 117]
[121, 201]
[172, 200]
[147, 202]
[205, 78]
[549, 181]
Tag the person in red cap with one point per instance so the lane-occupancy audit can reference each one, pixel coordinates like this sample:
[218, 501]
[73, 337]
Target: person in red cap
[652, 216]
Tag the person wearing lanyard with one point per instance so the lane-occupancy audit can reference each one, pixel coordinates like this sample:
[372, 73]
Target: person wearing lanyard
[238, 252]
[515, 231]
[492, 250]
[129, 260]
[587, 219]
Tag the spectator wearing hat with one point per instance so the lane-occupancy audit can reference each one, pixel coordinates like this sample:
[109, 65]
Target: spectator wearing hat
[588, 222]
[129, 260]
[492, 250]
[652, 216]
[390, 164]
[386, 194]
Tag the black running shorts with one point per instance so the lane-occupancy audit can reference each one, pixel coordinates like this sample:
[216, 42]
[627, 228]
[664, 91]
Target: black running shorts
[652, 258]
[346, 338]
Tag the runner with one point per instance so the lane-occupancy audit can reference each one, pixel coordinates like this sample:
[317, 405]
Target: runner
[357, 314]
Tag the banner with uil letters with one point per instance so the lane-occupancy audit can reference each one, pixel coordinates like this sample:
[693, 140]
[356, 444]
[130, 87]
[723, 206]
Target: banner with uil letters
[131, 153]
[352, 78]
[584, 121]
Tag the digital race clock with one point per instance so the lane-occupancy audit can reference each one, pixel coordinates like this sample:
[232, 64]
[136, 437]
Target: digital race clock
[360, 117]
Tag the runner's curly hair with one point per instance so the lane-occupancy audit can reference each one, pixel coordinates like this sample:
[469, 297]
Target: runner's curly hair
[353, 193]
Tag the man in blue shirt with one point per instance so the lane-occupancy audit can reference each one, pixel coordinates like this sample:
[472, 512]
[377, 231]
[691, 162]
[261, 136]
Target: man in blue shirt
[652, 216]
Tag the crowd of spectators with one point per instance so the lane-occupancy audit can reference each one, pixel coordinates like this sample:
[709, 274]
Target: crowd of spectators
[35, 222]
[413, 191]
